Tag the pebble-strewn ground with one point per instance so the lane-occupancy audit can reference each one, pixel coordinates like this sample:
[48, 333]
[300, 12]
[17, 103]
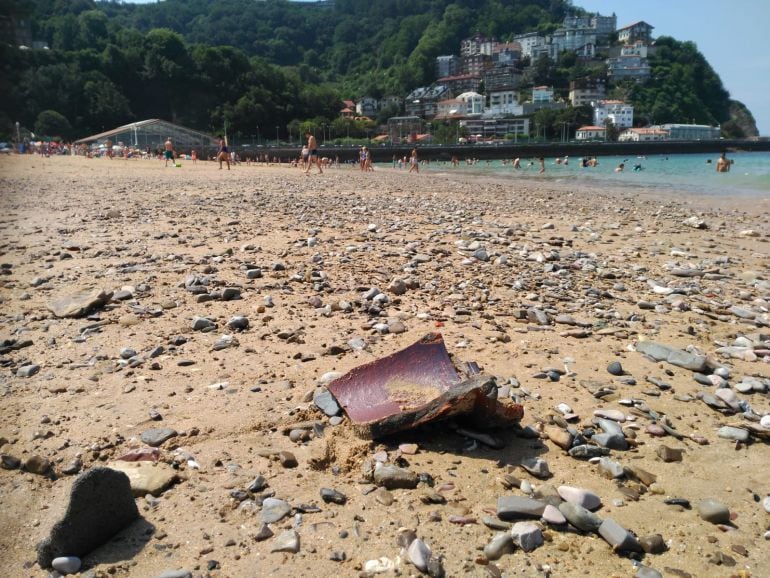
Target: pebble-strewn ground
[236, 295]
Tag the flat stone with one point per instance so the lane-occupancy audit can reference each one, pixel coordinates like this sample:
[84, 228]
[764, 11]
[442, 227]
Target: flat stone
[611, 414]
[392, 477]
[175, 574]
[146, 477]
[559, 436]
[202, 324]
[611, 441]
[672, 355]
[518, 507]
[618, 537]
[27, 370]
[101, 505]
[501, 544]
[263, 533]
[733, 433]
[79, 304]
[713, 511]
[527, 536]
[647, 572]
[585, 498]
[637, 473]
[579, 517]
[156, 436]
[287, 541]
[553, 516]
[287, 459]
[324, 400]
[273, 510]
[586, 452]
[538, 467]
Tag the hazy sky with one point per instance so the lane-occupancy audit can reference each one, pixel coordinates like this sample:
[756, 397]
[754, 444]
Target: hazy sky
[733, 35]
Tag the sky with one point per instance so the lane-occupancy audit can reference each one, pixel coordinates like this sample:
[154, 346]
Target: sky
[733, 35]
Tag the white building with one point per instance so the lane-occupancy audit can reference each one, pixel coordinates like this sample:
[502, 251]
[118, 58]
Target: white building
[503, 102]
[591, 133]
[616, 111]
[643, 134]
[473, 102]
[691, 131]
[529, 41]
[542, 94]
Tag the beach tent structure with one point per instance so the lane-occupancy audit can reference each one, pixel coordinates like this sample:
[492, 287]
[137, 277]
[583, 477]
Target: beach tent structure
[153, 133]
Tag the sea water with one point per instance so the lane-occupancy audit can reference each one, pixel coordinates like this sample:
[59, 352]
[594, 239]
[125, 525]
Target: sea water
[749, 174]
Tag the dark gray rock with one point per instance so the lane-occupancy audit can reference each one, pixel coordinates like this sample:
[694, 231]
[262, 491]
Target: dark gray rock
[274, 509]
[156, 436]
[518, 507]
[615, 368]
[101, 505]
[579, 517]
[527, 536]
[653, 544]
[334, 496]
[238, 323]
[618, 537]
[66, 564]
[586, 452]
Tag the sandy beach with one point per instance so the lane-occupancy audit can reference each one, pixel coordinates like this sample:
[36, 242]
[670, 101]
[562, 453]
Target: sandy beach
[544, 285]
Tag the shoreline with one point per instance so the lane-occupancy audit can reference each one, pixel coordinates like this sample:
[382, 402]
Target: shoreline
[543, 284]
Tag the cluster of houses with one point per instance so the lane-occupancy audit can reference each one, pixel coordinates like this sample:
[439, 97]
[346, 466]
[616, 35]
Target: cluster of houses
[497, 69]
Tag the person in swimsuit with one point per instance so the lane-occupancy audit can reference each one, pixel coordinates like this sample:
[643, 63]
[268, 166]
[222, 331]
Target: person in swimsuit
[168, 153]
[223, 154]
[312, 152]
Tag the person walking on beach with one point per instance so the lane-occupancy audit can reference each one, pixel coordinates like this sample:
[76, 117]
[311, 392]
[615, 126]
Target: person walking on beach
[194, 156]
[168, 153]
[723, 164]
[223, 154]
[541, 160]
[312, 152]
[414, 164]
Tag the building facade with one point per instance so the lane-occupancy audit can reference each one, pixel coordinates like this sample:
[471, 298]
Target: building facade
[584, 91]
[591, 133]
[615, 111]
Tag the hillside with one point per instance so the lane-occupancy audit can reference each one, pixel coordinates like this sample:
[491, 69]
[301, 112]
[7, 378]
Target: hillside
[207, 63]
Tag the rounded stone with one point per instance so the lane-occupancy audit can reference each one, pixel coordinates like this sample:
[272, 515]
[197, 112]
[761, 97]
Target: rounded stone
[66, 564]
[615, 368]
[713, 511]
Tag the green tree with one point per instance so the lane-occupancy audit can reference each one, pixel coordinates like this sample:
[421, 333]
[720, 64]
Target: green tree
[50, 123]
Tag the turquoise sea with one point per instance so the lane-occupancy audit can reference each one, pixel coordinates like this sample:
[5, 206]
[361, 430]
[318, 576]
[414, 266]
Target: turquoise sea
[749, 175]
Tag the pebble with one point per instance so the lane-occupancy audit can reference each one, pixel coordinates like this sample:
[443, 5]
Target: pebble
[156, 436]
[733, 433]
[273, 510]
[325, 401]
[579, 517]
[538, 467]
[647, 572]
[527, 536]
[713, 511]
[610, 469]
[553, 516]
[287, 459]
[668, 454]
[333, 496]
[66, 564]
[419, 554]
[27, 370]
[379, 566]
[766, 504]
[287, 541]
[518, 507]
[584, 498]
[618, 537]
[653, 544]
[392, 477]
[500, 545]
[615, 368]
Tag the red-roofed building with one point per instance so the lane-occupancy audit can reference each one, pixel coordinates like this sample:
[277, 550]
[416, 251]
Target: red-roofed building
[591, 133]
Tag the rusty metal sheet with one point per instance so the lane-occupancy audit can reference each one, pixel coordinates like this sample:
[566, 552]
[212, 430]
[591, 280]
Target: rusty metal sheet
[415, 386]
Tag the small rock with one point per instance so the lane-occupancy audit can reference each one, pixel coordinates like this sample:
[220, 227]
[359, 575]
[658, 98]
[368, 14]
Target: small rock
[518, 507]
[156, 436]
[713, 511]
[579, 517]
[273, 510]
[66, 564]
[333, 496]
[392, 477]
[500, 544]
[653, 544]
[527, 536]
[287, 541]
[584, 498]
[668, 454]
[419, 554]
[618, 537]
[615, 368]
[287, 459]
[733, 433]
[538, 467]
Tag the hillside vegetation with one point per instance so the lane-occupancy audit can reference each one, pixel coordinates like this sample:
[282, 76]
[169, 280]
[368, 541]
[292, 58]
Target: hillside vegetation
[273, 63]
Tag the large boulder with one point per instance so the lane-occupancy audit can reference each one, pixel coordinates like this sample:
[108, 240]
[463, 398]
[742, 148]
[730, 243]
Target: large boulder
[79, 304]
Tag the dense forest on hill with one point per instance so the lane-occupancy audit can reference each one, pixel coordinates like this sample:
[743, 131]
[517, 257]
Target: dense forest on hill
[250, 63]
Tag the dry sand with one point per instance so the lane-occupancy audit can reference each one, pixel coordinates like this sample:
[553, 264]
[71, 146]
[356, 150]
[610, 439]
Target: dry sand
[69, 224]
